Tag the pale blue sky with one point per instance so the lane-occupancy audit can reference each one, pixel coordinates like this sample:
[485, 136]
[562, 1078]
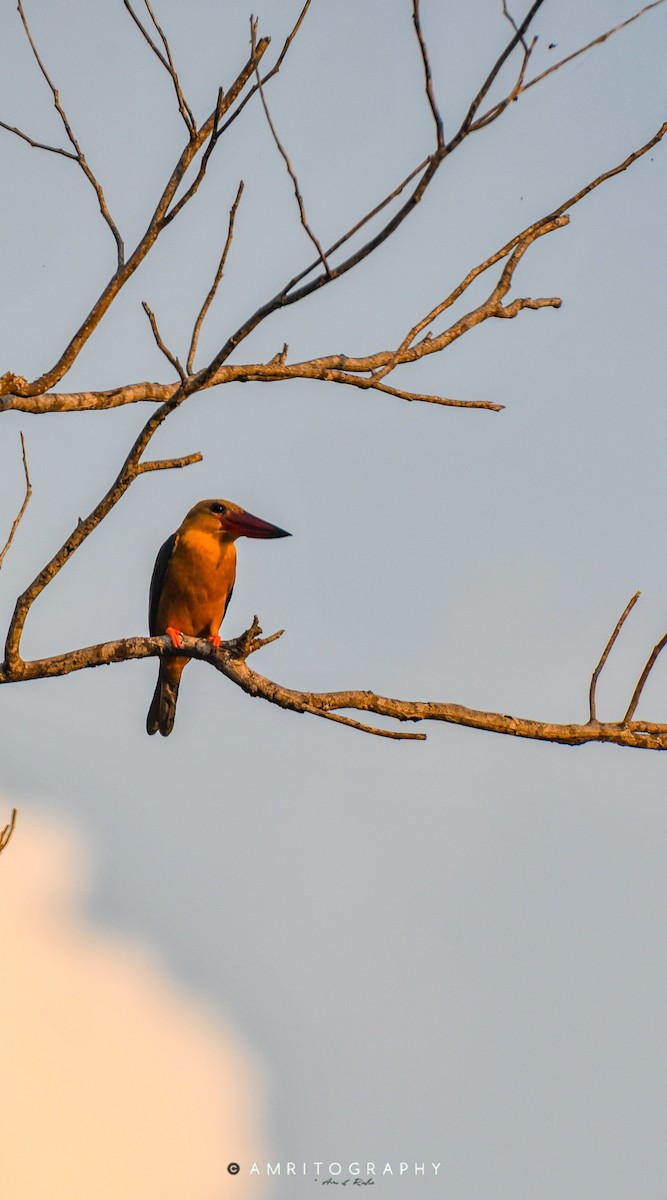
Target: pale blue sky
[450, 951]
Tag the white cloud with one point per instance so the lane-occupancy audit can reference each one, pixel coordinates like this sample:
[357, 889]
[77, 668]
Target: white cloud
[115, 1081]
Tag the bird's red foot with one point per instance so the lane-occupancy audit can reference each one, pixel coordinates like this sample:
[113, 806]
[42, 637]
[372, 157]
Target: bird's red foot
[175, 635]
[215, 640]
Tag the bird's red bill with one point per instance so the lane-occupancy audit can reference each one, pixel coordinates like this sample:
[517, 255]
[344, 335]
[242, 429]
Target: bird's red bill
[244, 524]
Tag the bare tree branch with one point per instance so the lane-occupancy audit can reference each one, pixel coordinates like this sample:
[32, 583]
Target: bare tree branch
[170, 464]
[19, 517]
[493, 113]
[273, 71]
[130, 470]
[155, 227]
[510, 18]
[172, 358]
[78, 155]
[652, 658]
[230, 660]
[365, 372]
[370, 384]
[15, 389]
[605, 655]
[8, 830]
[285, 157]
[38, 145]
[167, 63]
[219, 130]
[428, 79]
[194, 186]
[596, 42]
[216, 282]
[483, 92]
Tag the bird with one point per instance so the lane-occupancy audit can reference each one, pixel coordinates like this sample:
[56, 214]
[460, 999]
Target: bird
[191, 586]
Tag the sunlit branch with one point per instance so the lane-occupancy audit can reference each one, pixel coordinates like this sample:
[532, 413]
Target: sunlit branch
[155, 227]
[26, 499]
[130, 471]
[78, 154]
[286, 159]
[652, 659]
[216, 282]
[172, 358]
[272, 72]
[230, 660]
[8, 830]
[605, 655]
[167, 62]
[170, 464]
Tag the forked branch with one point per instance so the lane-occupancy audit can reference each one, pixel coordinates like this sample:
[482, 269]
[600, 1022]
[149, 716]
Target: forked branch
[77, 153]
[230, 659]
[167, 62]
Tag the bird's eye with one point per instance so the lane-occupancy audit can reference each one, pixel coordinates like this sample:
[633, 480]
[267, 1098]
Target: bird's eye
[218, 508]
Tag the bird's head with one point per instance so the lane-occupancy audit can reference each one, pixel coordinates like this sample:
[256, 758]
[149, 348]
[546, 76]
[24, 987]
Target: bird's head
[222, 516]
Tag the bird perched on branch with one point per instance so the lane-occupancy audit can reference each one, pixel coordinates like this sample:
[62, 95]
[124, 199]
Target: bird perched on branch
[192, 584]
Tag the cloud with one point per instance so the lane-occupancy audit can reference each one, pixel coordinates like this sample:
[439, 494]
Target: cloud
[115, 1081]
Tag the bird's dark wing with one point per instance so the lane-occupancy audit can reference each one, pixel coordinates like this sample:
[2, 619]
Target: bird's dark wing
[157, 580]
[231, 592]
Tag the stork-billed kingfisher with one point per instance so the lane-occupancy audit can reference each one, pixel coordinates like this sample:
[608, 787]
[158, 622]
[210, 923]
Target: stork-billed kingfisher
[192, 584]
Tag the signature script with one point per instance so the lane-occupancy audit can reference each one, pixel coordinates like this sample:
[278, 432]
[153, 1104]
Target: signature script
[356, 1182]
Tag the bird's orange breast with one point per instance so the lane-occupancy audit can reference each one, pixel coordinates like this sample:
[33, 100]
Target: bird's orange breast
[198, 581]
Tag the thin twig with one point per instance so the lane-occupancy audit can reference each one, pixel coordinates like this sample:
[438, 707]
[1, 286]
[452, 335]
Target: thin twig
[632, 707]
[184, 107]
[153, 231]
[359, 224]
[510, 18]
[7, 831]
[169, 464]
[214, 287]
[38, 145]
[173, 358]
[274, 69]
[367, 383]
[428, 79]
[78, 153]
[395, 734]
[26, 498]
[596, 41]
[492, 76]
[167, 63]
[493, 113]
[194, 186]
[606, 652]
[285, 157]
[218, 130]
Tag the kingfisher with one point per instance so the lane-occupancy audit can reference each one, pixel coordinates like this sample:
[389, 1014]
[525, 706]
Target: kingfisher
[192, 584]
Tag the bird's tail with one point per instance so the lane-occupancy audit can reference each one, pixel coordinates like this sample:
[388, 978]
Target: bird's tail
[163, 706]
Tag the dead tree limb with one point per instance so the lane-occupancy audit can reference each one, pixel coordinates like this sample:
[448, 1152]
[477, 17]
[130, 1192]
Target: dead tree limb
[8, 830]
[26, 500]
[365, 372]
[231, 660]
